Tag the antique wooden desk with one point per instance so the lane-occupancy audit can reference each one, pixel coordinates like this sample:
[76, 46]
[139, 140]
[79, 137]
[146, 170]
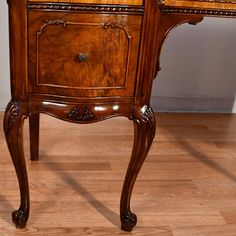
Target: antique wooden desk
[88, 60]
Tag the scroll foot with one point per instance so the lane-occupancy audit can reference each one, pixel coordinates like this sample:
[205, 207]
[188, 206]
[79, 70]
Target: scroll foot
[19, 218]
[128, 221]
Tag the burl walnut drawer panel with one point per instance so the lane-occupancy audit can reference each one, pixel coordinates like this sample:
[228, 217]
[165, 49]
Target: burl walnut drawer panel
[84, 55]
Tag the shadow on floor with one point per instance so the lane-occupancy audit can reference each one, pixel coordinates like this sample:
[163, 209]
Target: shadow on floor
[74, 184]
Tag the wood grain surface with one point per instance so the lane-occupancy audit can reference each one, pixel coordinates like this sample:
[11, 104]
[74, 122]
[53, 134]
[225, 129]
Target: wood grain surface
[201, 4]
[57, 41]
[107, 2]
[186, 187]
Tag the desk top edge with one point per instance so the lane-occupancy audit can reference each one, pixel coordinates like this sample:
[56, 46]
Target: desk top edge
[105, 2]
[204, 7]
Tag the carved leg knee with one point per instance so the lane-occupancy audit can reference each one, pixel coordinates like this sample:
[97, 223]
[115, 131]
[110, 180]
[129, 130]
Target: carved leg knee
[13, 124]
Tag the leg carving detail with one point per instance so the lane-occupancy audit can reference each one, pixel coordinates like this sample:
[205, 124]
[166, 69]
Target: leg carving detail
[144, 132]
[13, 124]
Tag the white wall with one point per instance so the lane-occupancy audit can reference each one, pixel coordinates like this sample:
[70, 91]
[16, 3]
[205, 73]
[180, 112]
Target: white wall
[198, 67]
[4, 57]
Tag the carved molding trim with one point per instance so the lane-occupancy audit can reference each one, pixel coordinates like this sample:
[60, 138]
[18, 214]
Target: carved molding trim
[48, 22]
[12, 113]
[64, 24]
[75, 7]
[216, 1]
[199, 11]
[81, 114]
[114, 25]
[146, 113]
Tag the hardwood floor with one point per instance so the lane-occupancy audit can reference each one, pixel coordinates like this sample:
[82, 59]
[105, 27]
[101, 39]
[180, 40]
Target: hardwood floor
[187, 186]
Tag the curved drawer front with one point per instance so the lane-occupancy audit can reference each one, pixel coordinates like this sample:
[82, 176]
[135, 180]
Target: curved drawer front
[83, 55]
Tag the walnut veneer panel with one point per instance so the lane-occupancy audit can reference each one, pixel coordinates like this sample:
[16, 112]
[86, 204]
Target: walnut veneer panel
[58, 40]
[201, 4]
[126, 2]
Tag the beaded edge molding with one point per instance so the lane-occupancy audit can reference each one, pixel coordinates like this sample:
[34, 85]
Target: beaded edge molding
[216, 1]
[219, 12]
[67, 7]
[188, 10]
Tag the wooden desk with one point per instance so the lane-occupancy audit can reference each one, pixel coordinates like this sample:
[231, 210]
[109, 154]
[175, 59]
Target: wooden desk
[84, 61]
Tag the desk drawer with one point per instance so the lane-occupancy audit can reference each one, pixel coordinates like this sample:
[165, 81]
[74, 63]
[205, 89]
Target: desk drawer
[83, 54]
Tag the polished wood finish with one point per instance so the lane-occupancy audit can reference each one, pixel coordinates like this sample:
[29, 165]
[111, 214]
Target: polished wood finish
[106, 2]
[144, 132]
[201, 4]
[202, 7]
[34, 136]
[13, 125]
[186, 186]
[81, 68]
[56, 40]
[86, 62]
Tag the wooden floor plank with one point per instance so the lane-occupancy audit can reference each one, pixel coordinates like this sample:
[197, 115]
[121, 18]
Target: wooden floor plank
[187, 186]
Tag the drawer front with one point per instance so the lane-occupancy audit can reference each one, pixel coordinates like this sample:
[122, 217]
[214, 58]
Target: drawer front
[84, 55]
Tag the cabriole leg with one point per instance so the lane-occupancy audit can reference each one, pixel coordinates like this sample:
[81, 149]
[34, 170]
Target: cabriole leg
[13, 125]
[144, 132]
[34, 136]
